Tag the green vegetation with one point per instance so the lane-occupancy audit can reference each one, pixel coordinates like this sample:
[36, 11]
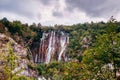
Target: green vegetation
[93, 48]
[10, 63]
[61, 71]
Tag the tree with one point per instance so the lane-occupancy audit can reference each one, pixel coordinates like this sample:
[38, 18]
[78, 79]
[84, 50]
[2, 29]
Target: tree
[10, 64]
[105, 51]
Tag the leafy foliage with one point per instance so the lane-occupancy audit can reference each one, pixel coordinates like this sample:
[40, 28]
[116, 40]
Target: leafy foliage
[10, 64]
[58, 71]
[94, 45]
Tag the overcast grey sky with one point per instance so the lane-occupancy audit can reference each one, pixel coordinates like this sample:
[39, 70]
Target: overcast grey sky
[50, 12]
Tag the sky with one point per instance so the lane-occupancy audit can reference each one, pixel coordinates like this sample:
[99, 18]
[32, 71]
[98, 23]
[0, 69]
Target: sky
[65, 12]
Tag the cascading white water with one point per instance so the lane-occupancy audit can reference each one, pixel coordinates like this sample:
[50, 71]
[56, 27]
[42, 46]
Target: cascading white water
[53, 46]
[49, 49]
[63, 45]
[36, 57]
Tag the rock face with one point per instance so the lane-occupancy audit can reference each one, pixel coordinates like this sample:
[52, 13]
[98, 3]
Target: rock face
[86, 42]
[53, 46]
[19, 51]
[17, 48]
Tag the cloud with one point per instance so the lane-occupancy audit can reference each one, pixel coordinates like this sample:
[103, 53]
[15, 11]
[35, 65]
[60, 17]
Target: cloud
[45, 2]
[95, 8]
[48, 2]
[17, 6]
[13, 16]
[57, 14]
[50, 12]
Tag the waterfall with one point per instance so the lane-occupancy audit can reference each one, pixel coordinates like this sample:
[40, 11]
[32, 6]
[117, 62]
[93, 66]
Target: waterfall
[49, 49]
[63, 45]
[53, 46]
[36, 57]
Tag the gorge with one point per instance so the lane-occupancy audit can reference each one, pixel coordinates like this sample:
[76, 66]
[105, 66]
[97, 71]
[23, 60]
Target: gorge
[53, 46]
[60, 52]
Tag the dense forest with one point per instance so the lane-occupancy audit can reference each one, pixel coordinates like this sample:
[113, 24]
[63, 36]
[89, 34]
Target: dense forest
[93, 50]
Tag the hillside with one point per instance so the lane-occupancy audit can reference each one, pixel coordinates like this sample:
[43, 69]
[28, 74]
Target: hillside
[77, 52]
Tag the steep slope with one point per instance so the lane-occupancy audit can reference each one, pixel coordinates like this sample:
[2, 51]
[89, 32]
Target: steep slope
[20, 52]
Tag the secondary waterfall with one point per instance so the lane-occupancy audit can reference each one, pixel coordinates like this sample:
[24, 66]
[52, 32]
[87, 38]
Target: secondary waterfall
[53, 46]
